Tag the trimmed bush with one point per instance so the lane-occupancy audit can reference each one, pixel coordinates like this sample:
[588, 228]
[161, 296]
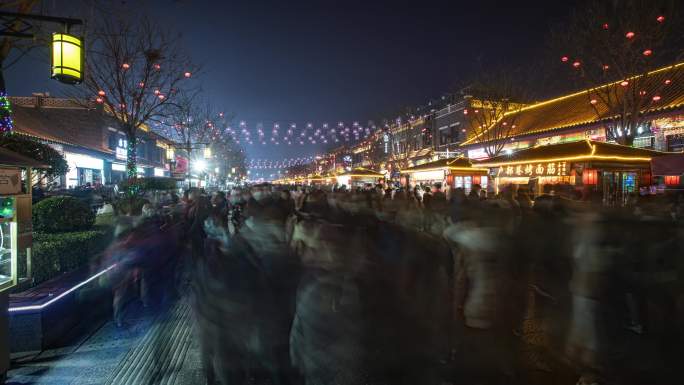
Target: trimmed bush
[54, 254]
[61, 214]
[149, 184]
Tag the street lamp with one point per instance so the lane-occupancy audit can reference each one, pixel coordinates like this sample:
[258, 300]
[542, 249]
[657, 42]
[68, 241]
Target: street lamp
[67, 58]
[199, 165]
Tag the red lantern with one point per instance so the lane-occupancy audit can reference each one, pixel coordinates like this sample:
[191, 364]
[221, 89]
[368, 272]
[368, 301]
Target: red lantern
[667, 82]
[125, 66]
[477, 179]
[101, 93]
[642, 92]
[660, 19]
[630, 34]
[157, 66]
[647, 52]
[465, 111]
[606, 67]
[161, 97]
[157, 92]
[99, 100]
[141, 84]
[564, 59]
[656, 98]
[187, 74]
[576, 64]
[624, 83]
[593, 101]
[590, 177]
[672, 180]
[605, 25]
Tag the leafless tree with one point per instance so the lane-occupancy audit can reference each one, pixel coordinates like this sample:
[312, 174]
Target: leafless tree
[611, 49]
[136, 69]
[494, 102]
[190, 121]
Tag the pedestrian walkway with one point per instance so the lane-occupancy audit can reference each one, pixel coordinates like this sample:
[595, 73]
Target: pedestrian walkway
[154, 347]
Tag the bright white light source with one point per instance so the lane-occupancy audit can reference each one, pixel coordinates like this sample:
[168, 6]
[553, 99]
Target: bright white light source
[199, 165]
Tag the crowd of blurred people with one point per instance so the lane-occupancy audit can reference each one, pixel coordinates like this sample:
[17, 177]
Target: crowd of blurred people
[375, 285]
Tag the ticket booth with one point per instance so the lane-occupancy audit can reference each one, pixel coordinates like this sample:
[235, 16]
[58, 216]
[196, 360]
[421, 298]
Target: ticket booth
[15, 235]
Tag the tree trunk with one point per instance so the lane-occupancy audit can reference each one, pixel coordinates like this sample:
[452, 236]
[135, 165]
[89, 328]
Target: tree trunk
[132, 155]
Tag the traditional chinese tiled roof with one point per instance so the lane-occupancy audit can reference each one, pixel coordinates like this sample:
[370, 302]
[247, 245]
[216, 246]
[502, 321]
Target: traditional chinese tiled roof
[580, 150]
[360, 171]
[62, 123]
[575, 110]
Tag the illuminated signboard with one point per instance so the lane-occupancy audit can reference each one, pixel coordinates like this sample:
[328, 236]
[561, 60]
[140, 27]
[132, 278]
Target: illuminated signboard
[536, 169]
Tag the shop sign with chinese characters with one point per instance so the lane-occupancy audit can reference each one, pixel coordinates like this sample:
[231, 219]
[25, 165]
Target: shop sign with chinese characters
[535, 169]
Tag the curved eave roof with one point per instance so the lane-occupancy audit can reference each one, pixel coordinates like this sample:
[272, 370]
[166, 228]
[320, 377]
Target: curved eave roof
[362, 172]
[584, 150]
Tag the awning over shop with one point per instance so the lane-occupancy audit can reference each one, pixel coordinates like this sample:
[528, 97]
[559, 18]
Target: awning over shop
[670, 164]
[11, 158]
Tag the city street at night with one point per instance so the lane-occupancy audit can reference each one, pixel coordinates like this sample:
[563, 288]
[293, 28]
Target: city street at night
[341, 193]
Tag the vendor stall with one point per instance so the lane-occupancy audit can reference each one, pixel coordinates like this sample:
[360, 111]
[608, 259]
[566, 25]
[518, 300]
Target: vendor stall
[15, 233]
[455, 173]
[579, 168]
[359, 177]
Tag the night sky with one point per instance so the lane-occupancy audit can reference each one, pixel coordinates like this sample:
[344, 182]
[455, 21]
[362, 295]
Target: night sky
[330, 61]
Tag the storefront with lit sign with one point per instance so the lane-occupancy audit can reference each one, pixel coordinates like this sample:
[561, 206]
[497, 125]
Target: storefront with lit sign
[83, 169]
[455, 173]
[575, 169]
[359, 177]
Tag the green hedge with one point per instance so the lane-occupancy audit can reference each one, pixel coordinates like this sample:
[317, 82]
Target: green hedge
[149, 184]
[62, 213]
[54, 254]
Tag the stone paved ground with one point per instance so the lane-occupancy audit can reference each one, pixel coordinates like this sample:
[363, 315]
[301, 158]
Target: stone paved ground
[111, 355]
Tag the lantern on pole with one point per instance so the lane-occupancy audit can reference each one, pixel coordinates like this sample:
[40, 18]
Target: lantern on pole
[67, 58]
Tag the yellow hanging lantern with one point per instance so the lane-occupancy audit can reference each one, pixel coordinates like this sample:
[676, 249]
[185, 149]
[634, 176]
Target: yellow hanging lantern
[67, 58]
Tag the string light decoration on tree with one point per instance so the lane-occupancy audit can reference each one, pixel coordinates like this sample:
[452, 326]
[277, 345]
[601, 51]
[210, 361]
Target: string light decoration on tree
[6, 123]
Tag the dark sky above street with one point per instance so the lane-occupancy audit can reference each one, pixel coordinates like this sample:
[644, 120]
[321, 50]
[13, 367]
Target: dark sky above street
[329, 61]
